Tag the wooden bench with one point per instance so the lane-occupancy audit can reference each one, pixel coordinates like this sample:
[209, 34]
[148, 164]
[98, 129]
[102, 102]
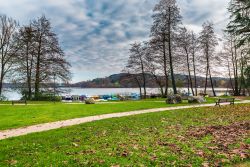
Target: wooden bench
[19, 102]
[225, 100]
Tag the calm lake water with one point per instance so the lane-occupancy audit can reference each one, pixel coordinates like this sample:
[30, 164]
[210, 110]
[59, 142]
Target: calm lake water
[13, 95]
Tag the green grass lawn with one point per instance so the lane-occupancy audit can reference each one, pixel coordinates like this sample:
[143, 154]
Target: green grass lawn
[42, 112]
[191, 137]
[18, 116]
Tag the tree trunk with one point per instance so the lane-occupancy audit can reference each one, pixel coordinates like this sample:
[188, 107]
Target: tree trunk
[1, 79]
[1, 86]
[159, 84]
[208, 68]
[37, 79]
[242, 79]
[172, 68]
[165, 66]
[170, 54]
[195, 78]
[194, 67]
[212, 84]
[28, 72]
[144, 86]
[236, 78]
[144, 78]
[189, 72]
[230, 77]
[139, 85]
[205, 91]
[188, 85]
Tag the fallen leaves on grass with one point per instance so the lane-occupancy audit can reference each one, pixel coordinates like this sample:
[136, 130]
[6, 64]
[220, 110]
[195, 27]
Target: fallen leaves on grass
[224, 137]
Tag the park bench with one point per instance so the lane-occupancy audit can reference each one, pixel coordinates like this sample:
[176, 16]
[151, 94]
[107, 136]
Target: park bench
[19, 102]
[225, 100]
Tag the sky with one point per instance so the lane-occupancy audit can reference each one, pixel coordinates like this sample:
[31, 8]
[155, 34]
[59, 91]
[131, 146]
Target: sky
[96, 34]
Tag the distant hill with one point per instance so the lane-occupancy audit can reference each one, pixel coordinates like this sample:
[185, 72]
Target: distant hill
[124, 80]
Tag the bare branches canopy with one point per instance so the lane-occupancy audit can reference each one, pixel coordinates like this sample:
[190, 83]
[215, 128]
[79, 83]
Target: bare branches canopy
[33, 51]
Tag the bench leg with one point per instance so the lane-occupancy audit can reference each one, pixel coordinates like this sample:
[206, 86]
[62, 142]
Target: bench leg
[217, 104]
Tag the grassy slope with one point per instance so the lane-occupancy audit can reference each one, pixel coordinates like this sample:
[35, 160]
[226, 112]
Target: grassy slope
[149, 139]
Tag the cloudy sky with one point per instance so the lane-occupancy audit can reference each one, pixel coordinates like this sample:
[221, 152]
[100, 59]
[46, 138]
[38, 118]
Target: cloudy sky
[95, 34]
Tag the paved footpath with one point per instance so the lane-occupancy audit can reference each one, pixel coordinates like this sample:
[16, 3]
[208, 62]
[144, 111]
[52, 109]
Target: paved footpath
[59, 124]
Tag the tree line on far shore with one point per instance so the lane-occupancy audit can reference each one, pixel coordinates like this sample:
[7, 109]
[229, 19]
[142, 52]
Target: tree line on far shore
[173, 49]
[31, 57]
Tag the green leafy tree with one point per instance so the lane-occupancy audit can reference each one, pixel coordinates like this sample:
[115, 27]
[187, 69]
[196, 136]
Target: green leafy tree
[240, 20]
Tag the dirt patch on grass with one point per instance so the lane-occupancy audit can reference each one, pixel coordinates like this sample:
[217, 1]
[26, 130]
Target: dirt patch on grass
[227, 141]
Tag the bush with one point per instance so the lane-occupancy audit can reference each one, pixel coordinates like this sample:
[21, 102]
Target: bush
[47, 97]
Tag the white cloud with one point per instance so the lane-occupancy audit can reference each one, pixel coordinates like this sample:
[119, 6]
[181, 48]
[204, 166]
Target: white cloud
[96, 34]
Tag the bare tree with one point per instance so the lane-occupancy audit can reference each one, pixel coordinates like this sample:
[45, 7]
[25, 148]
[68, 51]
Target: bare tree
[208, 41]
[8, 28]
[158, 44]
[25, 65]
[131, 70]
[49, 59]
[185, 44]
[166, 20]
[194, 51]
[137, 61]
[237, 62]
[153, 67]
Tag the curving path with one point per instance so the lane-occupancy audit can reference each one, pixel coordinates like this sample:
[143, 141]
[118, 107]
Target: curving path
[59, 124]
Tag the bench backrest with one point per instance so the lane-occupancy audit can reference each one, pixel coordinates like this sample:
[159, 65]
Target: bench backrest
[226, 100]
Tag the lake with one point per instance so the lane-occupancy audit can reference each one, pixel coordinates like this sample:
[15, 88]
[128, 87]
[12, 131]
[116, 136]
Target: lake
[14, 95]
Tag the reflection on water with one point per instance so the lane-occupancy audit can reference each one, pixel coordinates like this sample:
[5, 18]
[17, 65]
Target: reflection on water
[11, 94]
[14, 95]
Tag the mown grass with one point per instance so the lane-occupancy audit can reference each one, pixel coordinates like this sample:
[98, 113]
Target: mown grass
[20, 115]
[42, 112]
[156, 139]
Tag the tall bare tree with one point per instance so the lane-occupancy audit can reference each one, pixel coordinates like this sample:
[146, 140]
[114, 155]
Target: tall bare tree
[132, 71]
[166, 21]
[8, 28]
[185, 44]
[137, 61]
[153, 67]
[49, 59]
[194, 54]
[208, 41]
[26, 57]
[160, 57]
